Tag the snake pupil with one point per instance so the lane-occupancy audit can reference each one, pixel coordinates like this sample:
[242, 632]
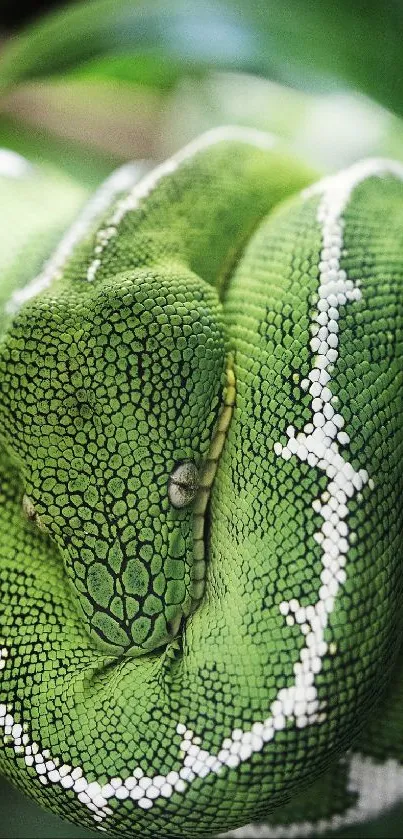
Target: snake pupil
[183, 483]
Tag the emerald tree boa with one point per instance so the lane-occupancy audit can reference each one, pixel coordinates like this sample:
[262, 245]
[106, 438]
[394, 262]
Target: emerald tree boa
[200, 545]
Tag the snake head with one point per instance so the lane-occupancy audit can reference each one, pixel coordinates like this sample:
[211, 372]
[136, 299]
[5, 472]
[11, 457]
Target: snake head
[109, 397]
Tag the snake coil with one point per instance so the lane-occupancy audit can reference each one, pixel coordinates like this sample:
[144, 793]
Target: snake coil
[200, 483]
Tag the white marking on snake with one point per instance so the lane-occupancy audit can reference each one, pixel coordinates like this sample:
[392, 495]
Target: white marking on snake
[376, 786]
[230, 133]
[320, 441]
[318, 444]
[120, 181]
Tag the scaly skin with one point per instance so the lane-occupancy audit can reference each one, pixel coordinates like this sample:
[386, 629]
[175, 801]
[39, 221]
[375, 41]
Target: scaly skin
[172, 667]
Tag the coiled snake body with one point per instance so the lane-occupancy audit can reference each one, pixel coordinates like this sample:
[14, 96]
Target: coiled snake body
[200, 545]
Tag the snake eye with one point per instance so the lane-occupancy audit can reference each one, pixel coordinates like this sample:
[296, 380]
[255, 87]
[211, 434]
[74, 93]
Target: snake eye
[183, 483]
[29, 511]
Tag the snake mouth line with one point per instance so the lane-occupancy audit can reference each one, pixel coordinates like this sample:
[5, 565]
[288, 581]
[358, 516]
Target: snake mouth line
[202, 508]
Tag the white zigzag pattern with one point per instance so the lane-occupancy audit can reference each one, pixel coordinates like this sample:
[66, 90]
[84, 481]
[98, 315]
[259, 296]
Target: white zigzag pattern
[318, 445]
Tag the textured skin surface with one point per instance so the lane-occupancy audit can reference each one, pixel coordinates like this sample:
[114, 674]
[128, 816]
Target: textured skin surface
[114, 374]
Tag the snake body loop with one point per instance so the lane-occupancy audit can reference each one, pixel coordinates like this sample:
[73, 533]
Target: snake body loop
[205, 592]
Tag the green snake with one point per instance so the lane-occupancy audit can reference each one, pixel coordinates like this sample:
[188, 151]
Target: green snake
[200, 487]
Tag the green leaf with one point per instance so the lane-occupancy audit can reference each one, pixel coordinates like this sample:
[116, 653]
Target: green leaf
[308, 43]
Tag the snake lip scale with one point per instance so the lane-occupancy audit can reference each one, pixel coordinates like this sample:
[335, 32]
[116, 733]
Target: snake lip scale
[139, 502]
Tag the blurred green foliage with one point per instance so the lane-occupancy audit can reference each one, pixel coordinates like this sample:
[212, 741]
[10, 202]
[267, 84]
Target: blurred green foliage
[299, 42]
[161, 71]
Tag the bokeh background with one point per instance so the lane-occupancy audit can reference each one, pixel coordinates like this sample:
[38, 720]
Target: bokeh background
[89, 84]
